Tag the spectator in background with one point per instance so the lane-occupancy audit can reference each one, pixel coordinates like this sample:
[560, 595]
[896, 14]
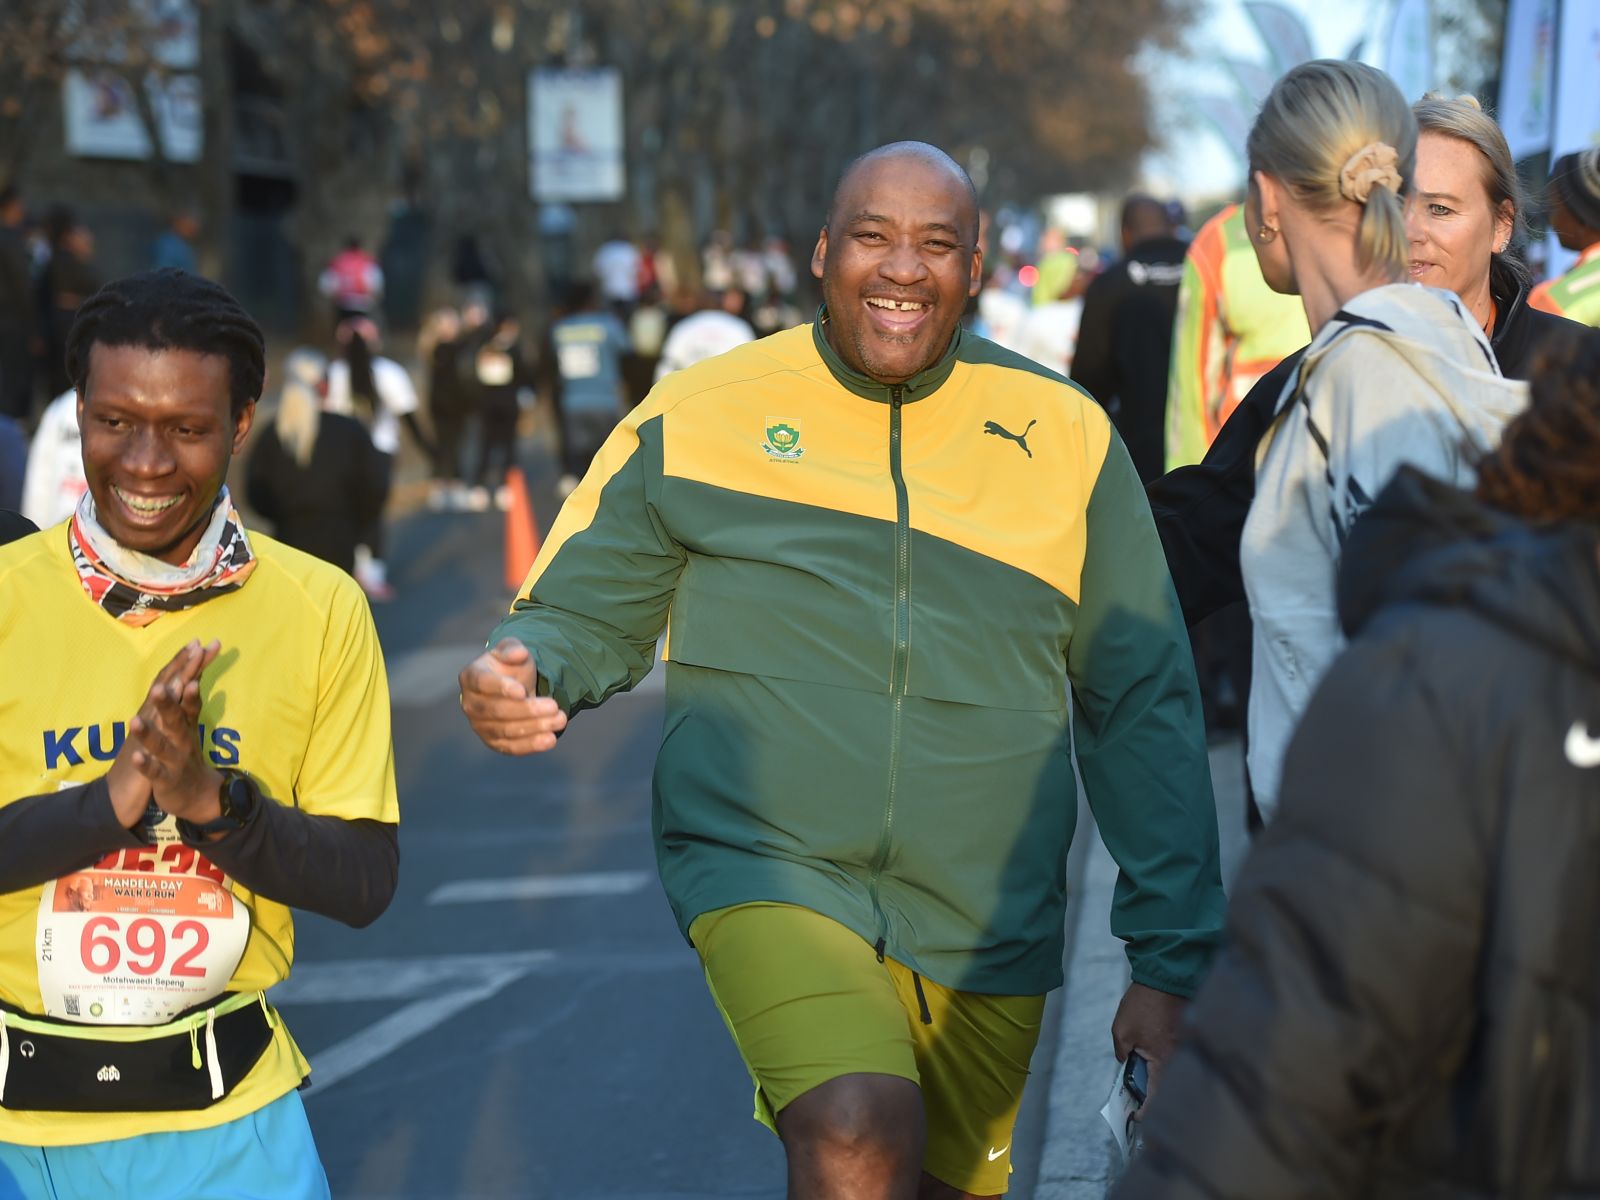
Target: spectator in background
[362, 383]
[175, 245]
[504, 382]
[54, 481]
[1396, 374]
[1048, 333]
[616, 267]
[582, 370]
[315, 475]
[1405, 1005]
[1230, 330]
[714, 329]
[68, 280]
[1125, 335]
[17, 319]
[1575, 217]
[353, 281]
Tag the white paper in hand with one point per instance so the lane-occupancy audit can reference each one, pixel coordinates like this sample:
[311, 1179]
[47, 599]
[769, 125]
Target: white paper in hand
[1118, 1112]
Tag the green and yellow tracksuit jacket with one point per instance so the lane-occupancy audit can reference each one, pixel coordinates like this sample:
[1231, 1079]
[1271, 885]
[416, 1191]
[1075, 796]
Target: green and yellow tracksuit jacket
[1575, 295]
[875, 598]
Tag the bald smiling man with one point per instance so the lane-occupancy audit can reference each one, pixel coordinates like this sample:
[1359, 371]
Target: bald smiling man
[888, 549]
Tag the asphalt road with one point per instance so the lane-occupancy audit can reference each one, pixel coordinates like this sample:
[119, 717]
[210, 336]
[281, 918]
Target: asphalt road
[526, 1021]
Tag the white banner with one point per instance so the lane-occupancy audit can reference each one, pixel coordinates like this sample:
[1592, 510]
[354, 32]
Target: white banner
[1283, 32]
[575, 135]
[1408, 57]
[1527, 77]
[102, 116]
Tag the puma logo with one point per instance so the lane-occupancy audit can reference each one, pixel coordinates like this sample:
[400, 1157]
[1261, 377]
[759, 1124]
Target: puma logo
[1020, 439]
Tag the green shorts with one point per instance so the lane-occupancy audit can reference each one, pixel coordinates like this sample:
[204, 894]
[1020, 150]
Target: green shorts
[808, 1001]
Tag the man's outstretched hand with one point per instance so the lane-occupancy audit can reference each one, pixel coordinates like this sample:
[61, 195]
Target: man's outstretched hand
[497, 694]
[1147, 1021]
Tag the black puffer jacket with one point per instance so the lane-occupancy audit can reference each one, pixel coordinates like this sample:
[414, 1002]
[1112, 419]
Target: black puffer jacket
[1409, 1003]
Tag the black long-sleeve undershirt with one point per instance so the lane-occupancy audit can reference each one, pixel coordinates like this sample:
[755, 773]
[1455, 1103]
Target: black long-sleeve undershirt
[346, 870]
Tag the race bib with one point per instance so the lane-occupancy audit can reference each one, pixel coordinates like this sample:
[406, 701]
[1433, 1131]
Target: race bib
[579, 360]
[140, 936]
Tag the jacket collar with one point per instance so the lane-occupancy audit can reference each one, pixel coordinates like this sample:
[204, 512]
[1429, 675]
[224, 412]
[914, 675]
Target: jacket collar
[925, 383]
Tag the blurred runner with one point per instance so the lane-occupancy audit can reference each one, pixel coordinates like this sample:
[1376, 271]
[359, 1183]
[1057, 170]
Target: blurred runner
[864, 796]
[1231, 329]
[205, 726]
[504, 380]
[54, 482]
[715, 329]
[1125, 335]
[362, 383]
[441, 346]
[582, 371]
[315, 475]
[1575, 217]
[353, 281]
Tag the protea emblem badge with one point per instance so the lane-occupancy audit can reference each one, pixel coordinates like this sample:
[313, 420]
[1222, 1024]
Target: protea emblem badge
[783, 439]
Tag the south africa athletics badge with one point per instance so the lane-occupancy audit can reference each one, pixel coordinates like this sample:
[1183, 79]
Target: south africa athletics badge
[783, 440]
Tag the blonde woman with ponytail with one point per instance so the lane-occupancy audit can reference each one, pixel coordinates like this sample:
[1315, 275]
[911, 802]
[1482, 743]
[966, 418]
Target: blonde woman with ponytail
[1395, 373]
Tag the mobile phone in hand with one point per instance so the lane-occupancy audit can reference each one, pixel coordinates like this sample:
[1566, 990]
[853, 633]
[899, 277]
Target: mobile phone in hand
[1136, 1076]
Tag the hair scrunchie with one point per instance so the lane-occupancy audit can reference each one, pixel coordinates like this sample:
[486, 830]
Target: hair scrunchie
[1374, 165]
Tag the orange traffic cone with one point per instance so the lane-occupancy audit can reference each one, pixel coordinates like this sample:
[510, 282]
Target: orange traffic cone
[522, 531]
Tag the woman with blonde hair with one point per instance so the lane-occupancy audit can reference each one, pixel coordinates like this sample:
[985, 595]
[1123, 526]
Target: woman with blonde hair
[315, 474]
[1394, 374]
[1465, 223]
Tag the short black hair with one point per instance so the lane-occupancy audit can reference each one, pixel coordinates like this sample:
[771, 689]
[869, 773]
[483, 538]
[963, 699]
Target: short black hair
[171, 309]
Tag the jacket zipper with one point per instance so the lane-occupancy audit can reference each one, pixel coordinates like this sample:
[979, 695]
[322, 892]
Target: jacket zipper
[900, 664]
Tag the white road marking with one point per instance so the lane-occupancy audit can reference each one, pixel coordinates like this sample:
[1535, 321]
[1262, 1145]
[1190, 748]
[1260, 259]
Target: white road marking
[365, 980]
[541, 887]
[423, 678]
[439, 988]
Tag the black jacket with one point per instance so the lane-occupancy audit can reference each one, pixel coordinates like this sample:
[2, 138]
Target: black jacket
[14, 525]
[328, 506]
[1409, 1001]
[1125, 342]
[1200, 509]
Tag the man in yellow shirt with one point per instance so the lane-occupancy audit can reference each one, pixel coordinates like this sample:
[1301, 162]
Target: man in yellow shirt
[194, 738]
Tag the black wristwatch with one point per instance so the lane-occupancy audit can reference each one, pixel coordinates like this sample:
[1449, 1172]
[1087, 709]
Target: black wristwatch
[238, 797]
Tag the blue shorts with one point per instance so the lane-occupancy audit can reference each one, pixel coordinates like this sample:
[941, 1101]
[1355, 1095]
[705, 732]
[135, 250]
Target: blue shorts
[266, 1155]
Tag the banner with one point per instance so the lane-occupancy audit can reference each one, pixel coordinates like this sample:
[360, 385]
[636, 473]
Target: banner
[1527, 77]
[575, 135]
[1283, 32]
[1408, 55]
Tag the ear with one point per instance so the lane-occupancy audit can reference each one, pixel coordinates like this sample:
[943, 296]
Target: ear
[975, 284]
[1505, 220]
[241, 426]
[1271, 193]
[819, 256]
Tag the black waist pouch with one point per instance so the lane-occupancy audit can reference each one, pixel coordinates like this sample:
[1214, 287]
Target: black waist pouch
[190, 1062]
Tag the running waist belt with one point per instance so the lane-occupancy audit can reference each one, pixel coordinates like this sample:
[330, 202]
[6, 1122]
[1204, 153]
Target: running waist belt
[190, 1062]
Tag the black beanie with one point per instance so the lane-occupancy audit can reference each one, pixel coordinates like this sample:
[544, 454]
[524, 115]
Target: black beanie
[1576, 178]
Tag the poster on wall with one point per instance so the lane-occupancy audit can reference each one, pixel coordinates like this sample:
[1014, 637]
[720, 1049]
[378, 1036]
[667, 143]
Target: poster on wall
[102, 116]
[575, 135]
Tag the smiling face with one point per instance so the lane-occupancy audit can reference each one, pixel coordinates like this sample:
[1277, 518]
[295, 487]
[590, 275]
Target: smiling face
[158, 434]
[1451, 223]
[898, 260]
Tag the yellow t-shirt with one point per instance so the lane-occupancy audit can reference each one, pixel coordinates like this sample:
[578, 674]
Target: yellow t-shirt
[297, 697]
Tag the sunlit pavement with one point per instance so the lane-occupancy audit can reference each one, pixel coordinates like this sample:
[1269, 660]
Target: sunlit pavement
[525, 1021]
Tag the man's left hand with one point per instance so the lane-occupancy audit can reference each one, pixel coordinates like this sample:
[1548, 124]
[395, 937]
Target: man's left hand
[1147, 1021]
[164, 737]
